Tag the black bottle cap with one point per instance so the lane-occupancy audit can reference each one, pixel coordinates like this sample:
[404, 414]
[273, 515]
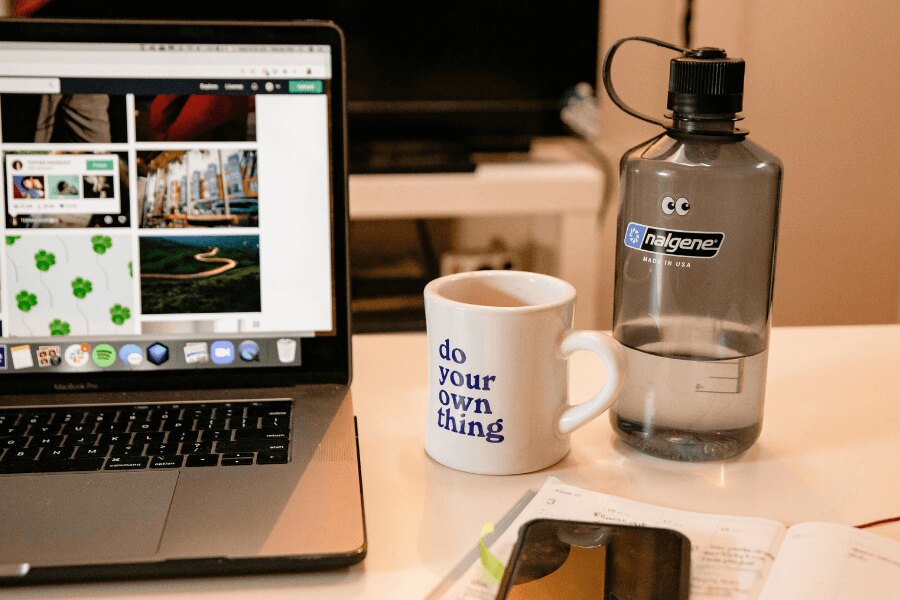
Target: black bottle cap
[706, 81]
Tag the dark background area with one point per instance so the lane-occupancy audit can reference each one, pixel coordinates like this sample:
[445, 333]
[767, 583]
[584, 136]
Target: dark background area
[428, 84]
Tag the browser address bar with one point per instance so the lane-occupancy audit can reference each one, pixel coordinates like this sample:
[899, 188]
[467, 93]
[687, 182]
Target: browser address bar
[29, 85]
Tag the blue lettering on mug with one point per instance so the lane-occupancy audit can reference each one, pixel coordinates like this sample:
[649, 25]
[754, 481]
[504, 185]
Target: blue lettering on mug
[454, 354]
[454, 405]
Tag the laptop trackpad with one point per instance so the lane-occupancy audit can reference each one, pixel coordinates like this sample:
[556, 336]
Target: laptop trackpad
[83, 518]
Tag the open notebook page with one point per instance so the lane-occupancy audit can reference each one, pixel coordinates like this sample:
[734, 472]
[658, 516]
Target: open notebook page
[730, 556]
[828, 561]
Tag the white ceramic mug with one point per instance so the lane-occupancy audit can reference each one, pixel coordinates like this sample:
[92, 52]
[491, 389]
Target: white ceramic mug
[498, 378]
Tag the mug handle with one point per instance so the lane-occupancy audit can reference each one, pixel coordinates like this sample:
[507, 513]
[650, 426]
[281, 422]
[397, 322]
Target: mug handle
[610, 350]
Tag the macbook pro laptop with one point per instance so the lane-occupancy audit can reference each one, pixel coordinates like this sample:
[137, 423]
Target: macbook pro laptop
[175, 345]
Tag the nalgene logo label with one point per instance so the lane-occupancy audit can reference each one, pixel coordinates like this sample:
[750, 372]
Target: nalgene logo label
[697, 244]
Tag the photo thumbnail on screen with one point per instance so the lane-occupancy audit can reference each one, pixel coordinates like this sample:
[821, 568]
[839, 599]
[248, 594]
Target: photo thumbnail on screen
[66, 189]
[208, 274]
[63, 119]
[195, 118]
[79, 284]
[198, 188]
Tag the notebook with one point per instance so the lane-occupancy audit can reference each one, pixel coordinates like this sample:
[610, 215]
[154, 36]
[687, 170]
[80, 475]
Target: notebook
[174, 329]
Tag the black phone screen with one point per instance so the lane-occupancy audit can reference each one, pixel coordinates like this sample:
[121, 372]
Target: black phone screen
[575, 560]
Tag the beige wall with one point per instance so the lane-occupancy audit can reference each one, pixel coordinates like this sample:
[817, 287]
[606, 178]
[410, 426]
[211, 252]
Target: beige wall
[821, 92]
[641, 77]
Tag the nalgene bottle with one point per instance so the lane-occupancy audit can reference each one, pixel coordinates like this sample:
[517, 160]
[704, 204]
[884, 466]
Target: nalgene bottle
[695, 258]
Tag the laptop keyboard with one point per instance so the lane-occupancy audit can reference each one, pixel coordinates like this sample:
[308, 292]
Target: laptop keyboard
[158, 436]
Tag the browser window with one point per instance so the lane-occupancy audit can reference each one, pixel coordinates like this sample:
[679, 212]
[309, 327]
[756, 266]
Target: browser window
[165, 206]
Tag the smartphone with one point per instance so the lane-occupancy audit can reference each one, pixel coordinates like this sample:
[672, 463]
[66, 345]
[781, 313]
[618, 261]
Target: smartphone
[574, 560]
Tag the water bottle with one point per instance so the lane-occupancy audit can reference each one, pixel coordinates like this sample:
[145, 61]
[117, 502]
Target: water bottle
[695, 258]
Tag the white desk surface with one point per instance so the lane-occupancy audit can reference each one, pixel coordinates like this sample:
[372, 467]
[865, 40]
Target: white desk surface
[829, 451]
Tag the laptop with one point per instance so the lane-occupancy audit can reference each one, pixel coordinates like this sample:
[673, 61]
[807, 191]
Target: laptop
[175, 343]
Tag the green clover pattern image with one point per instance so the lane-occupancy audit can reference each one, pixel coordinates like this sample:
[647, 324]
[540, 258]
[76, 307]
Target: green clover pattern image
[43, 260]
[119, 314]
[58, 327]
[25, 300]
[48, 260]
[101, 243]
[81, 287]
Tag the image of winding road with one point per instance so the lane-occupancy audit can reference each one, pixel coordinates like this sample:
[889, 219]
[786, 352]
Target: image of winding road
[200, 274]
[202, 257]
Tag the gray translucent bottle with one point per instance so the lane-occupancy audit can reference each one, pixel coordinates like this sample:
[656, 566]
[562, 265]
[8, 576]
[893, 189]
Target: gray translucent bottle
[695, 258]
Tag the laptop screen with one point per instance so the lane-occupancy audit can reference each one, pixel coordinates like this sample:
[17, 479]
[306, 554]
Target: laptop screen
[166, 206]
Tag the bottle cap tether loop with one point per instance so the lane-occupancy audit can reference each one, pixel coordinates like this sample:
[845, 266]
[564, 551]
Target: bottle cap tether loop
[705, 86]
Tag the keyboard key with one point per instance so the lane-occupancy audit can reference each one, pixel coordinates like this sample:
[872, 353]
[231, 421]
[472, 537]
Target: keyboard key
[135, 416]
[196, 448]
[243, 423]
[10, 467]
[71, 416]
[46, 441]
[155, 437]
[13, 442]
[251, 445]
[237, 455]
[166, 448]
[9, 418]
[144, 426]
[199, 413]
[271, 457]
[175, 425]
[44, 430]
[216, 435]
[22, 454]
[228, 412]
[276, 423]
[51, 466]
[164, 414]
[13, 430]
[261, 434]
[80, 440]
[202, 460]
[75, 464]
[183, 436]
[205, 424]
[91, 452]
[57, 453]
[236, 462]
[271, 409]
[41, 418]
[234, 447]
[126, 463]
[114, 439]
[100, 416]
[127, 450]
[75, 429]
[114, 427]
[169, 461]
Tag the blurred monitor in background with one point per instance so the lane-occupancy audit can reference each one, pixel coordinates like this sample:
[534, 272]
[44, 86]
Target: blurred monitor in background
[428, 84]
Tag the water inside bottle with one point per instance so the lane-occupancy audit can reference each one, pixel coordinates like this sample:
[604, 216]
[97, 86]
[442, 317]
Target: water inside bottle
[688, 398]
